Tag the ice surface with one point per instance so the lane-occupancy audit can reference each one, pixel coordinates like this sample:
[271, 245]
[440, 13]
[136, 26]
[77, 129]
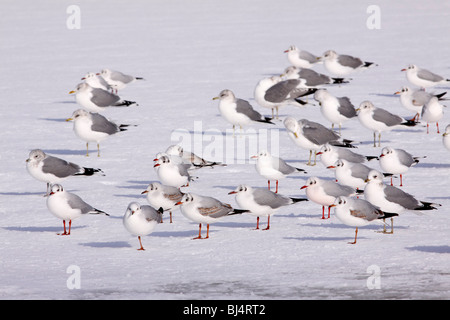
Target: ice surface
[188, 51]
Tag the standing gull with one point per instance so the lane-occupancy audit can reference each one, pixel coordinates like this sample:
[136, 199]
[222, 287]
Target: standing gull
[397, 161]
[423, 78]
[53, 170]
[118, 80]
[191, 158]
[392, 199]
[358, 213]
[351, 174]
[334, 109]
[273, 168]
[68, 206]
[96, 81]
[414, 100]
[330, 154]
[309, 78]
[140, 220]
[206, 210]
[342, 65]
[172, 174]
[96, 99]
[93, 127]
[237, 111]
[311, 136]
[261, 202]
[281, 93]
[325, 192]
[432, 111]
[379, 120]
[162, 196]
[301, 58]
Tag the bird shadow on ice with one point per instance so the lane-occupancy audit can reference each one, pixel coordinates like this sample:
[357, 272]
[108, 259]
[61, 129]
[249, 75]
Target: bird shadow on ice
[433, 165]
[107, 244]
[389, 95]
[22, 194]
[66, 152]
[434, 249]
[40, 229]
[53, 119]
[319, 238]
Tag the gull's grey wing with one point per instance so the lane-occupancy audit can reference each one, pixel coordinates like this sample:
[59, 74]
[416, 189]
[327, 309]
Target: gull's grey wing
[428, 75]
[264, 197]
[282, 166]
[405, 158]
[400, 197]
[59, 167]
[151, 214]
[313, 78]
[347, 154]
[318, 134]
[103, 98]
[213, 208]
[280, 91]
[305, 55]
[75, 202]
[386, 117]
[346, 108]
[349, 61]
[246, 108]
[360, 171]
[119, 76]
[101, 124]
[335, 189]
[420, 97]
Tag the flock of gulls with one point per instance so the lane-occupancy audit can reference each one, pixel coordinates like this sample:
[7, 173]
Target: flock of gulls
[354, 179]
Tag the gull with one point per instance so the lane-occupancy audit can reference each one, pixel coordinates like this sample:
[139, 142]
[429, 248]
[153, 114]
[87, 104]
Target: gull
[53, 170]
[422, 77]
[432, 111]
[273, 168]
[237, 111]
[301, 58]
[93, 127]
[324, 192]
[206, 210]
[311, 136]
[379, 120]
[141, 220]
[118, 80]
[358, 213]
[334, 109]
[397, 161]
[68, 206]
[172, 174]
[261, 202]
[162, 196]
[281, 93]
[310, 78]
[446, 137]
[97, 99]
[414, 100]
[392, 199]
[351, 174]
[96, 81]
[191, 158]
[342, 65]
[330, 154]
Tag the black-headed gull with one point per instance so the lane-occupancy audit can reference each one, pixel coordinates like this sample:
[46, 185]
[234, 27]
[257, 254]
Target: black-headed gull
[140, 220]
[414, 99]
[350, 174]
[342, 65]
[422, 77]
[358, 213]
[97, 99]
[432, 112]
[330, 154]
[324, 192]
[68, 206]
[379, 120]
[172, 174]
[53, 170]
[237, 111]
[206, 210]
[261, 202]
[273, 168]
[96, 81]
[162, 196]
[397, 161]
[301, 58]
[93, 127]
[118, 80]
[191, 158]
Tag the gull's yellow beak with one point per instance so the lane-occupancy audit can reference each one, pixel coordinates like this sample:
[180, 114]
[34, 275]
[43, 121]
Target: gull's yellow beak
[215, 98]
[69, 119]
[73, 91]
[295, 134]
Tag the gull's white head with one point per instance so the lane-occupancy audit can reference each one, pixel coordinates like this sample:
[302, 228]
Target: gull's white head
[291, 125]
[366, 106]
[225, 95]
[56, 188]
[375, 175]
[329, 55]
[36, 155]
[320, 95]
[242, 189]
